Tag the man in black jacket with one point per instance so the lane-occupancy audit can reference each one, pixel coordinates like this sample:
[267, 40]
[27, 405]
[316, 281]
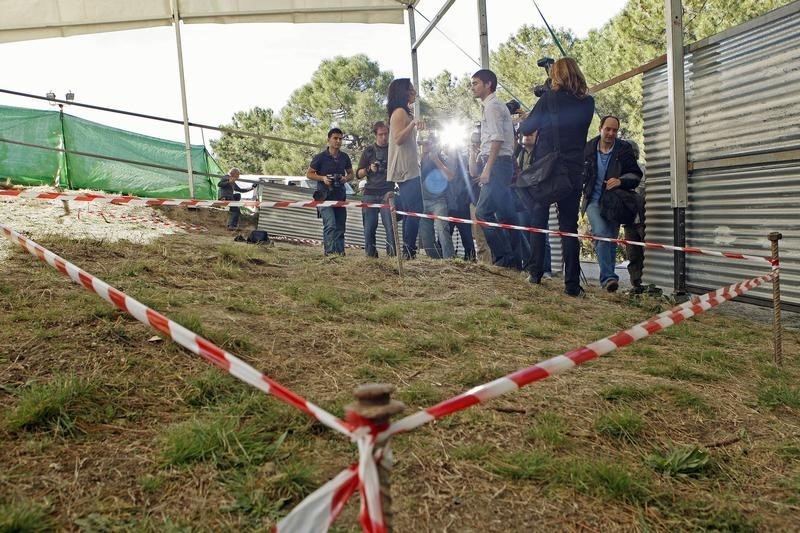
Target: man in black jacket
[608, 163]
[229, 190]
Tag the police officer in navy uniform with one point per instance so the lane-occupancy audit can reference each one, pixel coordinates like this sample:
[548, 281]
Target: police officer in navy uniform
[332, 169]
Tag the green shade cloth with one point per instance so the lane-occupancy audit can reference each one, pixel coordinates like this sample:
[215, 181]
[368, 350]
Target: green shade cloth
[36, 166]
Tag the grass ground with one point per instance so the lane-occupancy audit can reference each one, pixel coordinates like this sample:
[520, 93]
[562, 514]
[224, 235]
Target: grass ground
[104, 428]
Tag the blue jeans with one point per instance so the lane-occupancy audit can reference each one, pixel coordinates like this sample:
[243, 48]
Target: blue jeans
[334, 222]
[369, 216]
[411, 200]
[496, 204]
[436, 231]
[606, 251]
[570, 249]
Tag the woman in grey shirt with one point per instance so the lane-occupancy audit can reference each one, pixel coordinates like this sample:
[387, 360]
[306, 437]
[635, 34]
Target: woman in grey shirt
[403, 167]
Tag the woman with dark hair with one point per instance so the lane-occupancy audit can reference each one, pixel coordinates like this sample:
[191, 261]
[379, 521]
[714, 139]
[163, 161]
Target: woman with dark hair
[403, 165]
[561, 117]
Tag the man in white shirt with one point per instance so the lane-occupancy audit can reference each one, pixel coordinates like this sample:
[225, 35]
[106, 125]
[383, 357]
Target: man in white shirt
[495, 161]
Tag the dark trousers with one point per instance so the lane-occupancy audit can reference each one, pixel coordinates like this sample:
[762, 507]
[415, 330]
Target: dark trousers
[570, 249]
[369, 217]
[635, 232]
[411, 200]
[465, 232]
[233, 217]
[496, 204]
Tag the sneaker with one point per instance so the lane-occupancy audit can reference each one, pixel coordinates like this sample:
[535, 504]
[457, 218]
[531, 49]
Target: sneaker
[637, 289]
[547, 275]
[611, 285]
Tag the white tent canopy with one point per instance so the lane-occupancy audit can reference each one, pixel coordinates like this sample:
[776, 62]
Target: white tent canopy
[40, 19]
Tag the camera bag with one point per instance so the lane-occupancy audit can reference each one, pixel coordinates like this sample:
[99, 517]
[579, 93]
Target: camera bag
[547, 179]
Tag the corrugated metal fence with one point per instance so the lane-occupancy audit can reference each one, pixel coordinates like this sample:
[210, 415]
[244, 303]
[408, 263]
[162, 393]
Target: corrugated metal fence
[743, 145]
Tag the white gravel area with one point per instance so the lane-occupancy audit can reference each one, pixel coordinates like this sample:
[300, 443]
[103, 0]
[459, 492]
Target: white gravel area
[39, 218]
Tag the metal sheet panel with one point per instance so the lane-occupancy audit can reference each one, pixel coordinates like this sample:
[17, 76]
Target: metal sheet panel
[658, 265]
[742, 95]
[303, 223]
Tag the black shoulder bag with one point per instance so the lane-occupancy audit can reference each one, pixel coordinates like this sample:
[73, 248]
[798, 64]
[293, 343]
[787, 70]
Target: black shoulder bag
[546, 180]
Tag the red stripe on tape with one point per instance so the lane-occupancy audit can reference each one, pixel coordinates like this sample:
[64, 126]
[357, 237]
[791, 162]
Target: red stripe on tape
[61, 266]
[159, 321]
[118, 298]
[39, 252]
[279, 391]
[452, 405]
[86, 280]
[621, 339]
[343, 492]
[581, 355]
[528, 375]
[212, 354]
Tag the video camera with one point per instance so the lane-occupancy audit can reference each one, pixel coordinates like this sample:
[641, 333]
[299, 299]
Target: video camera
[546, 63]
[381, 164]
[320, 194]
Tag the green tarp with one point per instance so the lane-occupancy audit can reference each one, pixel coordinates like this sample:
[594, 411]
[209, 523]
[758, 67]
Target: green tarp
[36, 166]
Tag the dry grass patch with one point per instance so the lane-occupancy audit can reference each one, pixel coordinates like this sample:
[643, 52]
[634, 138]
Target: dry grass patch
[179, 434]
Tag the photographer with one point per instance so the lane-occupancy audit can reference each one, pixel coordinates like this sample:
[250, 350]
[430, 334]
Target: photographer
[435, 181]
[610, 163]
[567, 104]
[331, 169]
[229, 190]
[372, 166]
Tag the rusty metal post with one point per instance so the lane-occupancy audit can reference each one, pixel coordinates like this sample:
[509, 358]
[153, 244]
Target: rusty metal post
[65, 203]
[398, 250]
[774, 237]
[374, 402]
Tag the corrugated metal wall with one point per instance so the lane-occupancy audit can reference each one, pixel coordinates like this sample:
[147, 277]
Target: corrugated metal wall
[742, 121]
[302, 222]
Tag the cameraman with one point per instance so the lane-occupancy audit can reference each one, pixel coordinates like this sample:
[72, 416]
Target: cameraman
[331, 169]
[229, 190]
[372, 166]
[568, 103]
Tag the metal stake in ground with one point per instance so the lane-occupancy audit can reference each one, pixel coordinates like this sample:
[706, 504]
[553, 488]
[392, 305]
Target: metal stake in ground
[389, 198]
[774, 237]
[376, 405]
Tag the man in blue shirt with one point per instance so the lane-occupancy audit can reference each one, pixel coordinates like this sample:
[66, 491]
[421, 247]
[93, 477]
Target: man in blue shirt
[609, 163]
[331, 169]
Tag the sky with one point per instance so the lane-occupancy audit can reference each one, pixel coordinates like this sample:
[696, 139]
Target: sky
[235, 67]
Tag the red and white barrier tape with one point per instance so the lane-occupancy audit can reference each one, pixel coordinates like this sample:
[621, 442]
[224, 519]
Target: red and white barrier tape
[325, 503]
[578, 356]
[186, 338]
[153, 202]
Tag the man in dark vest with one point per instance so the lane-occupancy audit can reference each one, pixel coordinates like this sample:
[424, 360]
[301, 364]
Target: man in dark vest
[331, 169]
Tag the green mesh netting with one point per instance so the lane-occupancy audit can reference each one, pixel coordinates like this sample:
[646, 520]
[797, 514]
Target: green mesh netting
[35, 166]
[24, 165]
